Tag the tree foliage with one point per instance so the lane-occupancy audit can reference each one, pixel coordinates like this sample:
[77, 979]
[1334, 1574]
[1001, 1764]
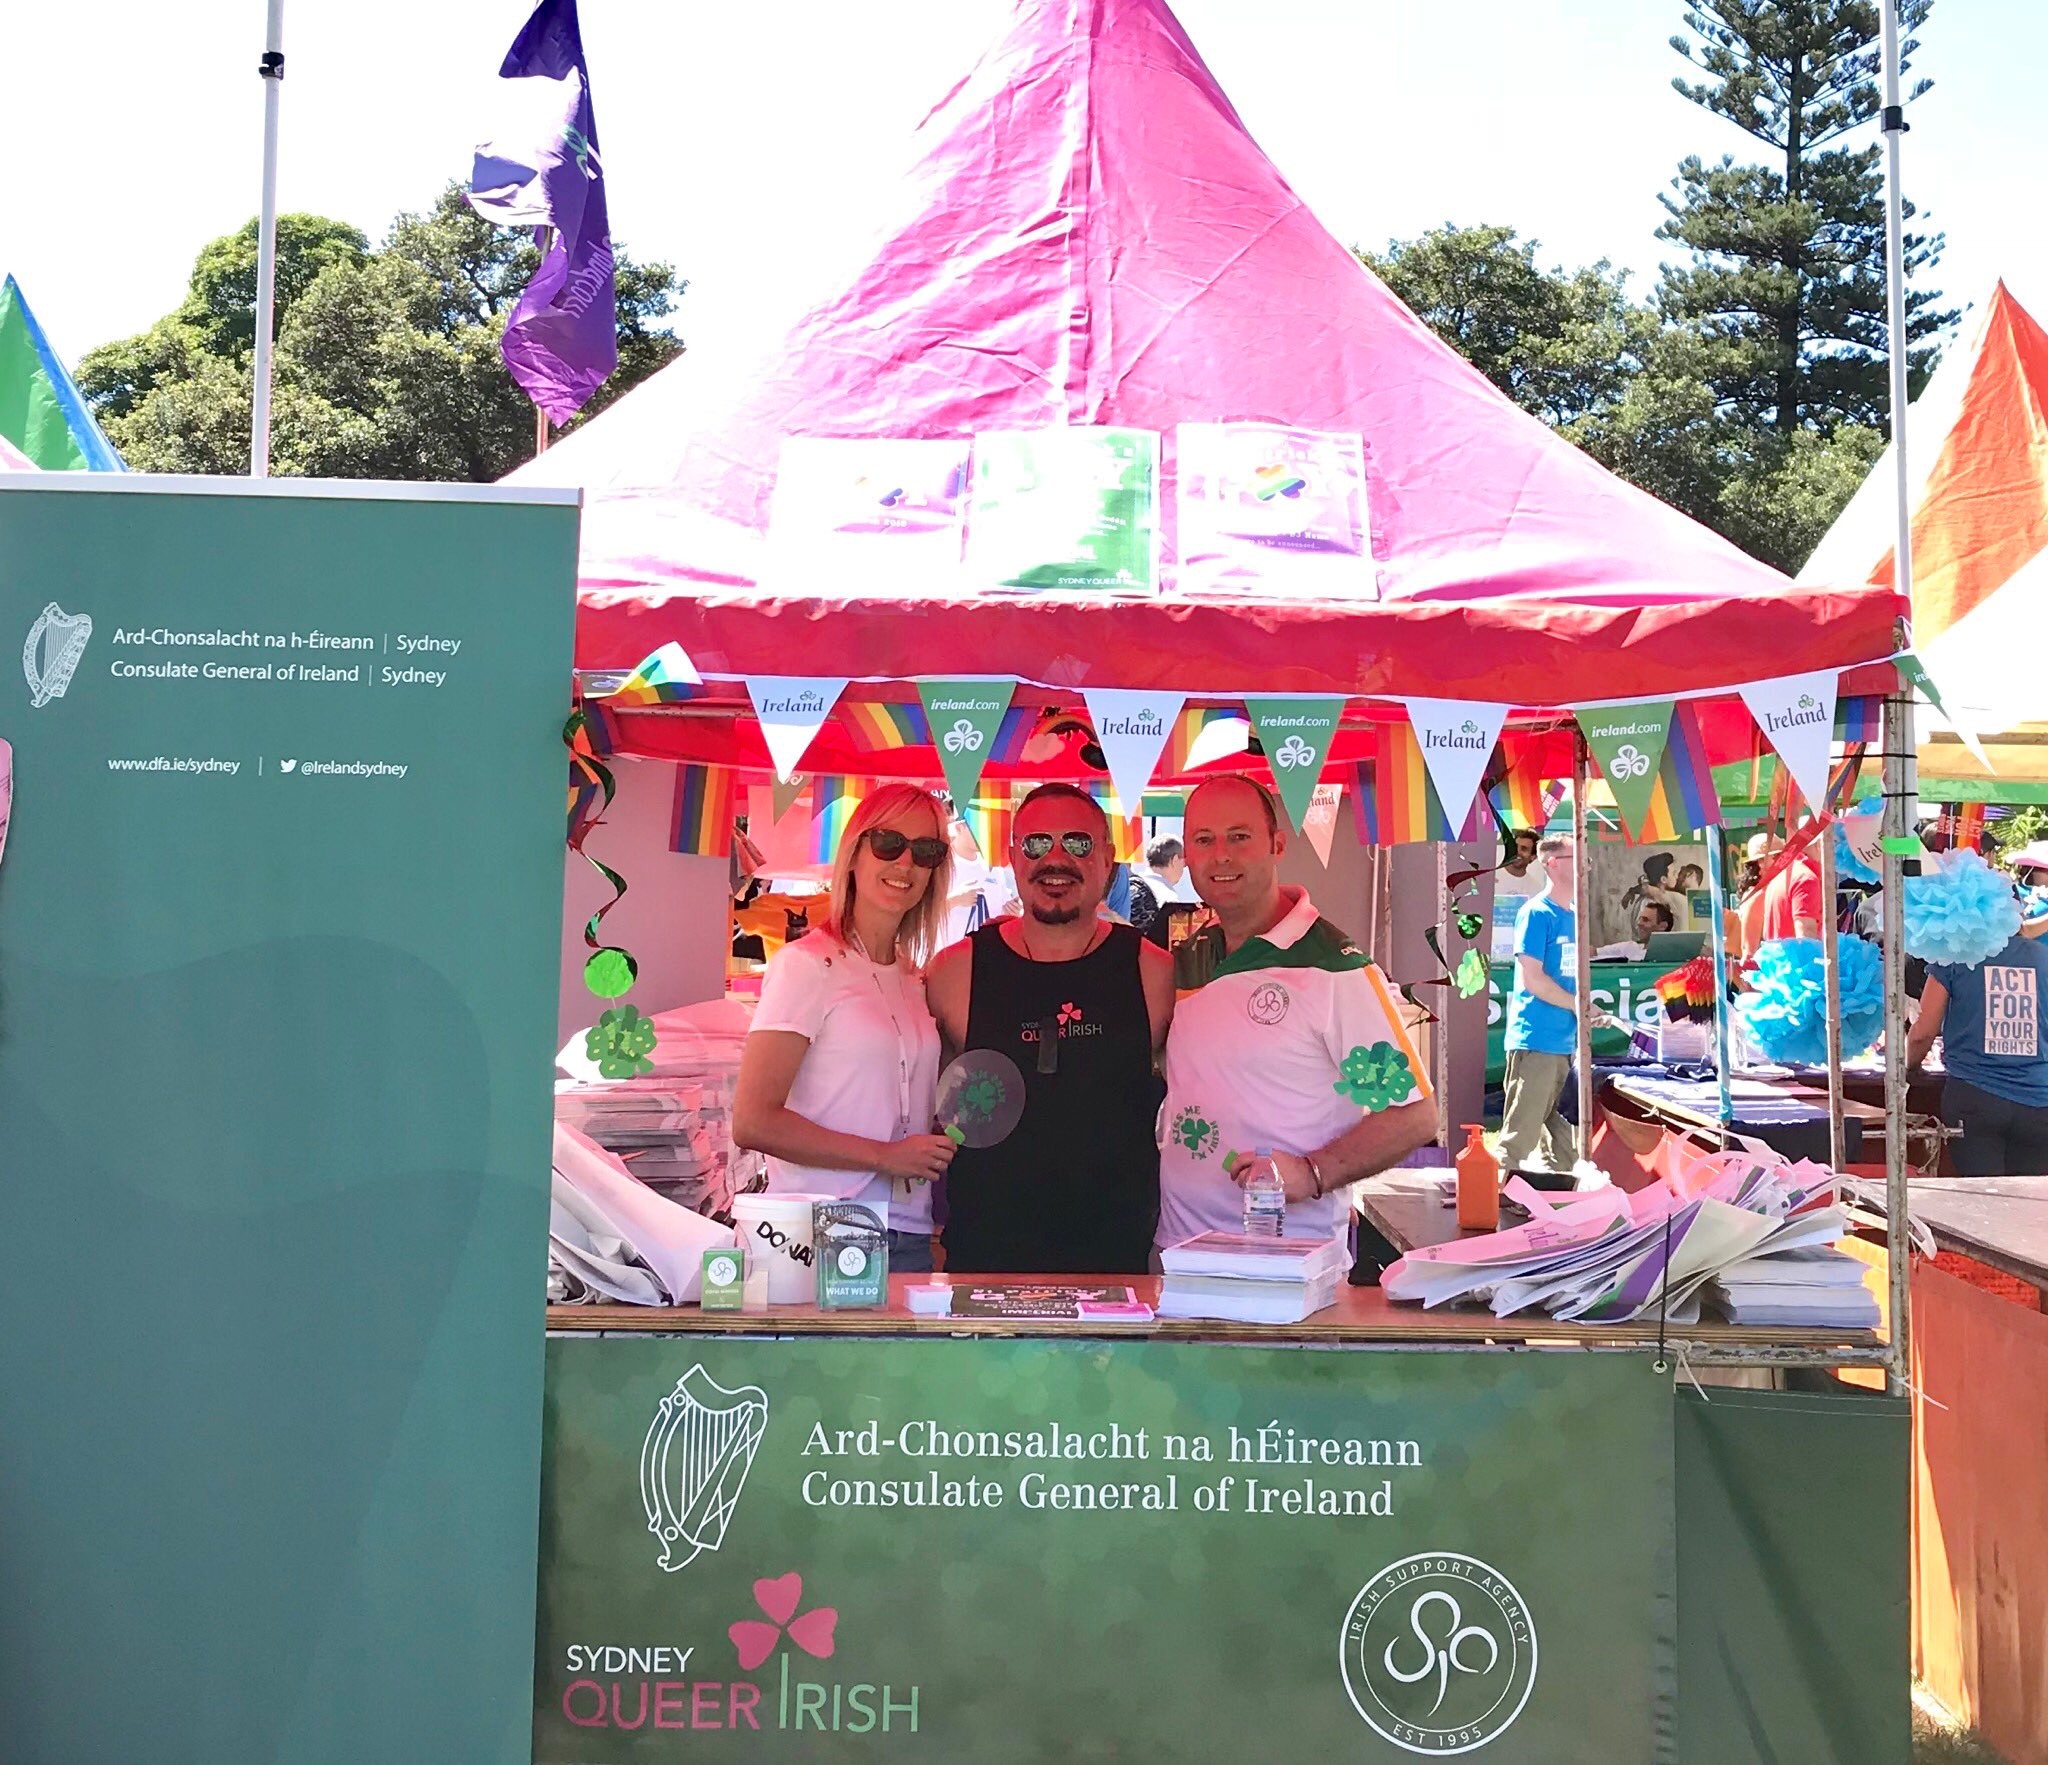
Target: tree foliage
[1787, 270]
[387, 362]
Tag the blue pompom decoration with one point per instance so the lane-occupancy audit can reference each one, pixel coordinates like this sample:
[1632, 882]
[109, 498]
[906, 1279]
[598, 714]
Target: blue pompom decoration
[1786, 1009]
[1959, 910]
[1849, 867]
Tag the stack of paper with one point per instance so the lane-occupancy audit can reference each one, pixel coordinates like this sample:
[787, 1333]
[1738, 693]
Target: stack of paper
[1610, 1257]
[1250, 1280]
[612, 1237]
[1810, 1286]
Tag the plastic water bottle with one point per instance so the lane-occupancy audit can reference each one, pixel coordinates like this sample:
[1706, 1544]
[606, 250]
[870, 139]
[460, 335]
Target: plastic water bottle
[1265, 1202]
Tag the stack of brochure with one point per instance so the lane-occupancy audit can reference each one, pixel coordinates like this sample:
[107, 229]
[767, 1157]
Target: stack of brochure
[1811, 1286]
[1611, 1257]
[1248, 1280]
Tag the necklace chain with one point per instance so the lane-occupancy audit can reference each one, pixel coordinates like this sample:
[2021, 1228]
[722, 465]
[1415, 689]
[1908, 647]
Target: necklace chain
[1095, 938]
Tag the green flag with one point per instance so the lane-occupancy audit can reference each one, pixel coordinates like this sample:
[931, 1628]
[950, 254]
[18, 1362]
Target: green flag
[964, 716]
[42, 412]
[1628, 742]
[1296, 736]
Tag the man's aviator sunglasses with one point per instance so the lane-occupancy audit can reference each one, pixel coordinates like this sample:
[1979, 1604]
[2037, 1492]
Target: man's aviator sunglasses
[888, 843]
[1036, 845]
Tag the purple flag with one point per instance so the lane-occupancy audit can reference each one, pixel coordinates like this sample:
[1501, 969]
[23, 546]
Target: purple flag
[562, 341]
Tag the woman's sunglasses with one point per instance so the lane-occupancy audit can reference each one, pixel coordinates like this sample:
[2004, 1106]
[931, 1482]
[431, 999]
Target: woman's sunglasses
[888, 845]
[1078, 845]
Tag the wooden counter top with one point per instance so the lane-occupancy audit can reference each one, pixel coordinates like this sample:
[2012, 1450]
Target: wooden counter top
[1362, 1317]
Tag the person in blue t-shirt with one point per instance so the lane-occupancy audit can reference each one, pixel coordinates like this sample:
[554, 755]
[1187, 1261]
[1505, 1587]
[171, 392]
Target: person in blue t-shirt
[1542, 1019]
[1989, 1022]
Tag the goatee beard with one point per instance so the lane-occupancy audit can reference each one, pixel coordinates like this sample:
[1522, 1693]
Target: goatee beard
[1055, 915]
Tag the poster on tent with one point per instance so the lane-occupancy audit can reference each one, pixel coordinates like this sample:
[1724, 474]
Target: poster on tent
[281, 950]
[1065, 509]
[1267, 510]
[867, 516]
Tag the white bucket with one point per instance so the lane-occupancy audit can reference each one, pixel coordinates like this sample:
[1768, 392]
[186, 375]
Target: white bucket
[775, 1232]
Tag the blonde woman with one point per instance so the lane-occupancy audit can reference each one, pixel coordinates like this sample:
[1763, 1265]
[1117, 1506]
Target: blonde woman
[840, 1068]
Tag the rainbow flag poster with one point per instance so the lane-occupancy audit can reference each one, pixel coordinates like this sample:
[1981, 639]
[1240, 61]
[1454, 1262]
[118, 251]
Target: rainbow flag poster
[833, 801]
[1682, 801]
[664, 678]
[700, 823]
[1365, 806]
[1201, 734]
[876, 725]
[1406, 806]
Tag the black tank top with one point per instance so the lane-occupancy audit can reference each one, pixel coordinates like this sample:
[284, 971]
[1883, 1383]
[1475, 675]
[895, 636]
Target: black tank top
[1074, 1190]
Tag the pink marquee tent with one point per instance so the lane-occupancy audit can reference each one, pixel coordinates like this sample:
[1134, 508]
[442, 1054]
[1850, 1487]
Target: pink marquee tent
[1092, 237]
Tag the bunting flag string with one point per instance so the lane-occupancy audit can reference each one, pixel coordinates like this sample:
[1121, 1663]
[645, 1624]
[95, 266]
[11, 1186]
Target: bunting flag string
[1407, 807]
[877, 725]
[1202, 734]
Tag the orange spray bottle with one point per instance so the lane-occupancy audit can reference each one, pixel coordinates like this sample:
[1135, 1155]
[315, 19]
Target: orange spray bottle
[1478, 1184]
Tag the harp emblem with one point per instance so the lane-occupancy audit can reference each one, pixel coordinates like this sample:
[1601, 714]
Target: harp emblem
[694, 1462]
[56, 642]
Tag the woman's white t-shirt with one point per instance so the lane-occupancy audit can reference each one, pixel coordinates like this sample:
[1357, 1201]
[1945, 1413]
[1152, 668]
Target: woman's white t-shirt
[872, 1067]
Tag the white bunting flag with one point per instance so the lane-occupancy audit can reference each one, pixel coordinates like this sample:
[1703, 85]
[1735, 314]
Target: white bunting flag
[1319, 825]
[1131, 729]
[1456, 737]
[1797, 714]
[791, 708]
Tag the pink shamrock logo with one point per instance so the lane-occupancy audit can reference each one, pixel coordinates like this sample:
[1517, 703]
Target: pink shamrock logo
[812, 1632]
[1070, 1013]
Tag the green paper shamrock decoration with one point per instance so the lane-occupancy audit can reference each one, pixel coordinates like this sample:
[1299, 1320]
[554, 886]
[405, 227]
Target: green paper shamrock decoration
[1469, 926]
[610, 972]
[1376, 1078]
[1471, 975]
[620, 1042]
[980, 1098]
[1196, 1133]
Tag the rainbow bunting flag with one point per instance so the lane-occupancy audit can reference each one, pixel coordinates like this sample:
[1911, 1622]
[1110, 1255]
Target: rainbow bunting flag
[1682, 801]
[602, 727]
[876, 726]
[701, 822]
[1860, 719]
[1406, 804]
[989, 820]
[1126, 832]
[1365, 806]
[665, 678]
[1180, 739]
[833, 801]
[1517, 799]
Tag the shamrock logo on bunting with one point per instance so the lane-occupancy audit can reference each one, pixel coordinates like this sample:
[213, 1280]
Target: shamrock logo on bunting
[1627, 742]
[1296, 734]
[969, 712]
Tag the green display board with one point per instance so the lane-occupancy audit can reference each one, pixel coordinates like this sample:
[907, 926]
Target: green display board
[280, 911]
[1628, 989]
[1031, 1550]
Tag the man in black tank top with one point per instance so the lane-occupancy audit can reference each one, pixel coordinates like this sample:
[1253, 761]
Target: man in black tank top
[1081, 1004]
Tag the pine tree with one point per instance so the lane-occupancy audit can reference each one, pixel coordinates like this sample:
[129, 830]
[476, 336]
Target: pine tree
[1787, 283]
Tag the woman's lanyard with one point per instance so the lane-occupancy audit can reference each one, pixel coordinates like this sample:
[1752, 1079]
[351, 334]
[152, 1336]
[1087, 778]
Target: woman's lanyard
[902, 1045]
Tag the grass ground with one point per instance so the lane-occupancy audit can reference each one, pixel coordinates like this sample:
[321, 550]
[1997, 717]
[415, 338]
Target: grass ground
[1933, 1745]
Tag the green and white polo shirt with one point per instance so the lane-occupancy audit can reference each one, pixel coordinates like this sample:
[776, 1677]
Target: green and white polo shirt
[1292, 1040]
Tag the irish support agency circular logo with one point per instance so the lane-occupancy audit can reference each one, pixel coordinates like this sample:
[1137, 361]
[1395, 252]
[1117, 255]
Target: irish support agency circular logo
[1438, 1653]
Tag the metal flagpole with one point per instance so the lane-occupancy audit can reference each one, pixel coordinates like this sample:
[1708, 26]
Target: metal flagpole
[1717, 882]
[271, 68]
[1831, 975]
[1900, 814]
[1582, 944]
[544, 239]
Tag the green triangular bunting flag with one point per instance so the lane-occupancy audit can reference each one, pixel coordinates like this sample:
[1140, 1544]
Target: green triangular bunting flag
[964, 716]
[1628, 742]
[1296, 736]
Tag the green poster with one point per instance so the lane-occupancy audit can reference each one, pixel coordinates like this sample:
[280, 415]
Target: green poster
[1628, 742]
[964, 716]
[1627, 990]
[1030, 1550]
[1065, 508]
[1296, 734]
[280, 935]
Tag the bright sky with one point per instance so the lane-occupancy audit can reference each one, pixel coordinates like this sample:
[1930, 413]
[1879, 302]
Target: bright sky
[747, 144]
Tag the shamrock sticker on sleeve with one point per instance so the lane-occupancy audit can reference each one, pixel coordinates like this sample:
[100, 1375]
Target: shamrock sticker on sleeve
[1196, 1133]
[620, 1042]
[1376, 1078]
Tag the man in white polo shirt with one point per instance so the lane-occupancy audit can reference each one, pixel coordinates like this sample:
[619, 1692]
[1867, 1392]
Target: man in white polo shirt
[1291, 1046]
